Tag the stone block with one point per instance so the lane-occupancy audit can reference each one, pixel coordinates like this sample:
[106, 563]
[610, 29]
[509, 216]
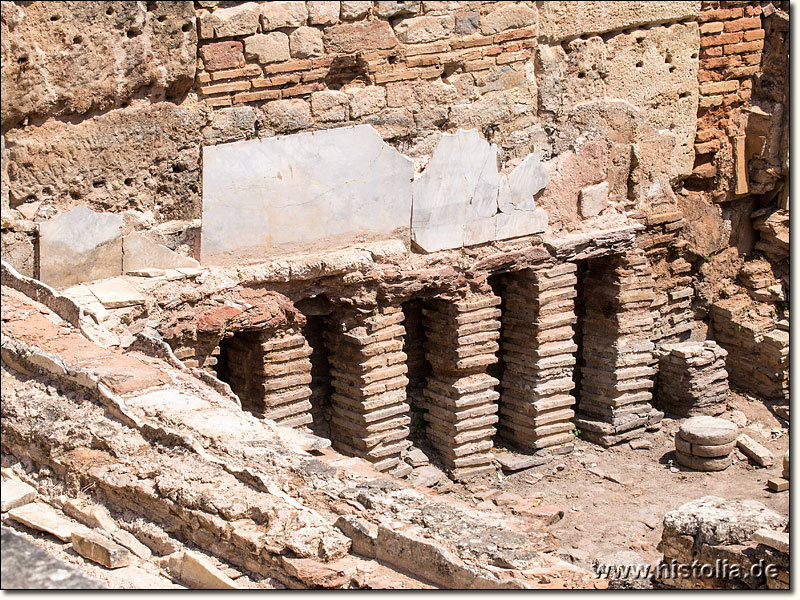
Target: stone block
[355, 9]
[116, 293]
[359, 36]
[16, 493]
[708, 431]
[198, 572]
[420, 30]
[235, 21]
[42, 517]
[594, 199]
[100, 549]
[510, 16]
[80, 245]
[295, 190]
[145, 156]
[306, 42]
[561, 20]
[755, 451]
[267, 48]
[276, 15]
[222, 55]
[93, 59]
[323, 12]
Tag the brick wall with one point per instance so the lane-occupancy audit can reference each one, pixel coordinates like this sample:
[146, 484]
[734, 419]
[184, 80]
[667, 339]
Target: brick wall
[323, 64]
[731, 53]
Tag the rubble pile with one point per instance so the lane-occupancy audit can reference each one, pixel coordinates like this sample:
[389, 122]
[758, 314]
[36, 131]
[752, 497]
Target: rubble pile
[692, 379]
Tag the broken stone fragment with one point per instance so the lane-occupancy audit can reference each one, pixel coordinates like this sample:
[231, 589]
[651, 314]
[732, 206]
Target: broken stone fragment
[100, 549]
[363, 534]
[198, 572]
[16, 493]
[716, 521]
[594, 199]
[43, 518]
[139, 253]
[758, 453]
[116, 293]
[778, 540]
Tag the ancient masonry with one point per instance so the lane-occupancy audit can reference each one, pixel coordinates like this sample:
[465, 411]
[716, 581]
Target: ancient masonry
[370, 415]
[271, 374]
[617, 375]
[460, 398]
[535, 406]
[692, 379]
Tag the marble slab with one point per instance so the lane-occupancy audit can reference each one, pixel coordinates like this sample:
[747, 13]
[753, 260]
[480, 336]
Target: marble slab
[306, 190]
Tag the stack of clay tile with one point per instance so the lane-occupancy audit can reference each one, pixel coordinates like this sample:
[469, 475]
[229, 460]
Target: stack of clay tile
[370, 416]
[692, 379]
[271, 376]
[705, 443]
[617, 375]
[460, 398]
[535, 406]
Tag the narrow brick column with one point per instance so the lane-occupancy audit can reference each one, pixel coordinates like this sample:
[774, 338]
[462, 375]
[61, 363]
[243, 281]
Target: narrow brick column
[535, 405]
[460, 399]
[617, 376]
[368, 367]
[271, 374]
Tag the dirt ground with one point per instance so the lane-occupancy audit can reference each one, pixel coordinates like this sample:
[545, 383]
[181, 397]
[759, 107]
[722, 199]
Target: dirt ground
[603, 517]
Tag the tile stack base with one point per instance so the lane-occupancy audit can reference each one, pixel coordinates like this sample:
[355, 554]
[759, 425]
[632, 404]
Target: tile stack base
[536, 404]
[370, 415]
[271, 374]
[692, 380]
[460, 399]
[705, 443]
[617, 375]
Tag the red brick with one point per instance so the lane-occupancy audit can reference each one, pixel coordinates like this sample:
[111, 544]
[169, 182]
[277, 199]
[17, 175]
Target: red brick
[707, 147]
[301, 90]
[431, 72]
[706, 76]
[395, 75]
[314, 75]
[753, 34]
[479, 65]
[255, 96]
[711, 51]
[744, 47]
[428, 48]
[712, 27]
[721, 14]
[491, 51]
[513, 57]
[742, 24]
[423, 60]
[752, 59]
[481, 41]
[224, 88]
[203, 78]
[288, 67]
[724, 61]
[222, 55]
[246, 71]
[515, 34]
[744, 95]
[719, 40]
[359, 36]
[218, 101]
[276, 81]
[752, 11]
